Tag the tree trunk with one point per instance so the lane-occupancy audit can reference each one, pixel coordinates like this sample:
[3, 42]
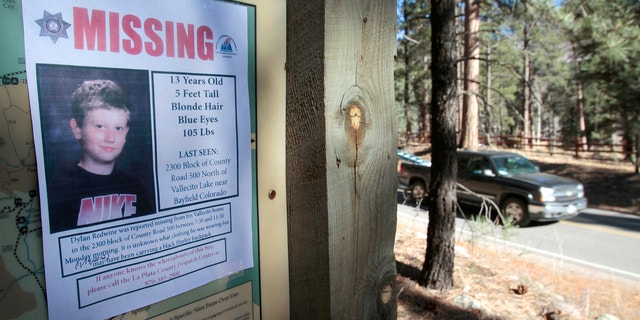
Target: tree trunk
[637, 160]
[488, 123]
[469, 139]
[526, 101]
[406, 75]
[341, 159]
[425, 111]
[582, 124]
[437, 270]
[526, 75]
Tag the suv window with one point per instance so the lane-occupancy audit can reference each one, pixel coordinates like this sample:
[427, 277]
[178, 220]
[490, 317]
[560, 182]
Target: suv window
[478, 164]
[463, 161]
[514, 165]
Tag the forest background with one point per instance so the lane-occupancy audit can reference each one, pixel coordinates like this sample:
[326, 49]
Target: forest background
[523, 71]
[566, 71]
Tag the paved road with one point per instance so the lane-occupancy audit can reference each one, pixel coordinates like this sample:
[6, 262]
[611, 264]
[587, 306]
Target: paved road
[599, 239]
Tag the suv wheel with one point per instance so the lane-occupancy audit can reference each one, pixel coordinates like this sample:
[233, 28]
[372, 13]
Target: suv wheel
[517, 210]
[418, 190]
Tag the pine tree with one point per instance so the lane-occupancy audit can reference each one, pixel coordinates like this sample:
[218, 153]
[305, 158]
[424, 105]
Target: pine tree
[437, 269]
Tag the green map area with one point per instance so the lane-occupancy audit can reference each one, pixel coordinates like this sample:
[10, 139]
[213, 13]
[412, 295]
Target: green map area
[22, 287]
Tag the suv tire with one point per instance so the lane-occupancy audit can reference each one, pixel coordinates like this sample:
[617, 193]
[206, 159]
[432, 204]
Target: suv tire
[418, 190]
[517, 210]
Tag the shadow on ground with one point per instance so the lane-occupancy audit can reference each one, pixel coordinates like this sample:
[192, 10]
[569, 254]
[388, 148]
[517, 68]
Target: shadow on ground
[417, 302]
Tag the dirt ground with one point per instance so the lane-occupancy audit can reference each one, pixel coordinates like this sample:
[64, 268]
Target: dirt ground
[492, 281]
[495, 282]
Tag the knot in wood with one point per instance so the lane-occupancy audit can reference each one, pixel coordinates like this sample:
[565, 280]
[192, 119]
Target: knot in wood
[352, 121]
[385, 294]
[355, 114]
[355, 123]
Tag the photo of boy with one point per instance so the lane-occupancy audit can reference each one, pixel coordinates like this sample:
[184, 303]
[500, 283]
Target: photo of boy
[93, 189]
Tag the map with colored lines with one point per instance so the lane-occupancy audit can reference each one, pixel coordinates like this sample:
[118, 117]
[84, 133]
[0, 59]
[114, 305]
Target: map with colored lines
[22, 285]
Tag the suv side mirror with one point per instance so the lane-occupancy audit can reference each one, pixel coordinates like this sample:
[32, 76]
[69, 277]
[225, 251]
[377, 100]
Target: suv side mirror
[488, 172]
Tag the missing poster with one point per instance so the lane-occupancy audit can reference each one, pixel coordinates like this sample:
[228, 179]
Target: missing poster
[142, 134]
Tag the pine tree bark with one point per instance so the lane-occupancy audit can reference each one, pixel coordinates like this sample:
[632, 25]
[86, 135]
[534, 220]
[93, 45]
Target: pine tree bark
[425, 114]
[407, 68]
[526, 82]
[469, 138]
[582, 123]
[437, 270]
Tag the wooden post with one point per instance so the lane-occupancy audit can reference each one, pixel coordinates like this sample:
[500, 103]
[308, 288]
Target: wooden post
[341, 159]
